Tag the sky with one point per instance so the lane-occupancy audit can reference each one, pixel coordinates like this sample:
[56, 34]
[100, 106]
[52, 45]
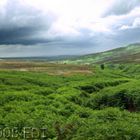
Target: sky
[66, 27]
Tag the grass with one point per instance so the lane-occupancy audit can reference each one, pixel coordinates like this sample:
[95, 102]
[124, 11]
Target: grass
[100, 105]
[50, 68]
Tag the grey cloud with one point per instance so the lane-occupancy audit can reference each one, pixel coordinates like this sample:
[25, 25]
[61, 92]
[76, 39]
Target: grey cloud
[128, 36]
[21, 36]
[121, 7]
[41, 50]
[135, 24]
[20, 24]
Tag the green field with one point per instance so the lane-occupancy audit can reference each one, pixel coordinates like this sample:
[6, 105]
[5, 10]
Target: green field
[102, 104]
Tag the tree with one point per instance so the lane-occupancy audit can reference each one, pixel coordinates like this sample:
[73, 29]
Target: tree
[102, 66]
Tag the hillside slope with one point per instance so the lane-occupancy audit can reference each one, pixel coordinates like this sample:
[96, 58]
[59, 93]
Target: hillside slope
[128, 54]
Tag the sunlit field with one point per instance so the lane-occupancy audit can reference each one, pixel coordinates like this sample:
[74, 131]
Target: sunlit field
[72, 102]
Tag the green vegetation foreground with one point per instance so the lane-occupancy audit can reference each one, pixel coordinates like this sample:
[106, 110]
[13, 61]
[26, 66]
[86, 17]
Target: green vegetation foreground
[104, 105]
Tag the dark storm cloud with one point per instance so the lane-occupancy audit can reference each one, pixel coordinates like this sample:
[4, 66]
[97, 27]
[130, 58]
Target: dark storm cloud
[16, 35]
[21, 24]
[21, 36]
[121, 7]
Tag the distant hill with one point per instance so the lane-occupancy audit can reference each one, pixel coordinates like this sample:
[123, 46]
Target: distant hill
[40, 58]
[128, 54]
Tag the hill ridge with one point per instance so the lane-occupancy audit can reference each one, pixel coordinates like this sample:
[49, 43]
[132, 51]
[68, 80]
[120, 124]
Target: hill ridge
[127, 54]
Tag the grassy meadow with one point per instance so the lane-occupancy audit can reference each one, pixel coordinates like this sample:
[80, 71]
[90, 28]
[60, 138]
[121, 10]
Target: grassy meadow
[74, 102]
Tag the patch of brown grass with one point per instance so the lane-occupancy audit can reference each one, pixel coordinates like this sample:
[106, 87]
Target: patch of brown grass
[50, 68]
